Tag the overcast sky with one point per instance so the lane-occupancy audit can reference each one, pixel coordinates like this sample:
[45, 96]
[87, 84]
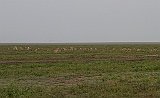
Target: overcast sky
[67, 21]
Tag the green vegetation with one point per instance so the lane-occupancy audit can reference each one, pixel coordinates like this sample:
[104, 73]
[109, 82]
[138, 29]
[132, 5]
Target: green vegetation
[80, 71]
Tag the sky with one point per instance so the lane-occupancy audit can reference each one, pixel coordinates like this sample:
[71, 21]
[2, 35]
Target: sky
[76, 21]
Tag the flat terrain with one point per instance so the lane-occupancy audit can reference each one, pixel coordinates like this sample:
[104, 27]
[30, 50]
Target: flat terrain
[80, 71]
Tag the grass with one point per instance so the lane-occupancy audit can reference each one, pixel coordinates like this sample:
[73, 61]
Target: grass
[107, 71]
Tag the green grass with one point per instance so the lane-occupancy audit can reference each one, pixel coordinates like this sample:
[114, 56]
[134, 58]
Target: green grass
[100, 73]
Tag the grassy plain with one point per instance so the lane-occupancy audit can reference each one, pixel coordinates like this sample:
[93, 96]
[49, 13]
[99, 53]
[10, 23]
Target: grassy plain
[80, 71]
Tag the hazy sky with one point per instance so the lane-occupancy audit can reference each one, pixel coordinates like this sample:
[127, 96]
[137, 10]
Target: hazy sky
[65, 21]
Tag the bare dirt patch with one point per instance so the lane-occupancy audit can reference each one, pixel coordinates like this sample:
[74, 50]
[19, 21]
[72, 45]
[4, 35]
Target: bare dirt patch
[60, 80]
